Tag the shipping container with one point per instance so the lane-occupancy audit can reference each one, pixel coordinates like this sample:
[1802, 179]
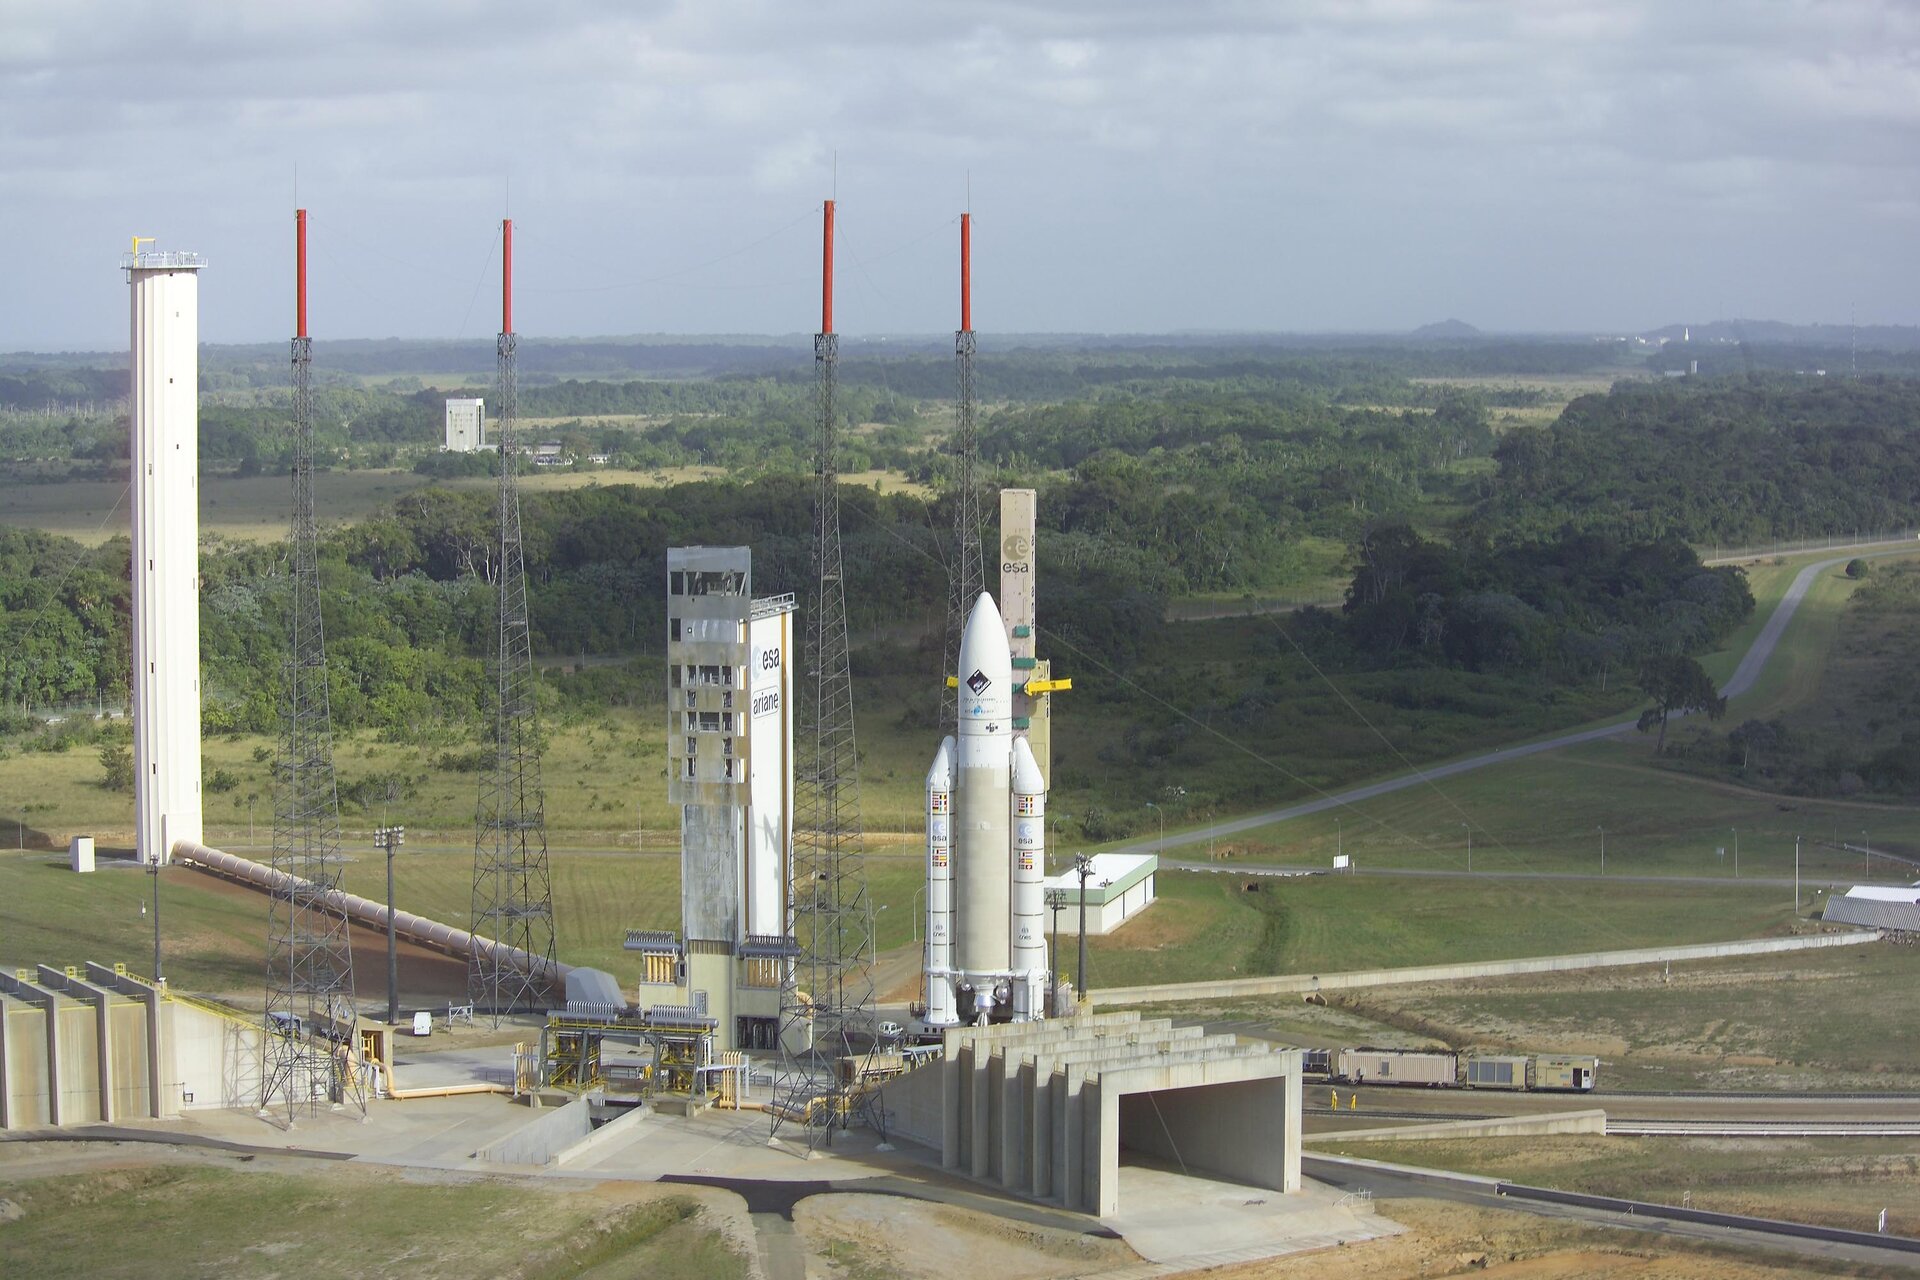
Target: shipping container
[1493, 1071]
[1398, 1066]
[1564, 1072]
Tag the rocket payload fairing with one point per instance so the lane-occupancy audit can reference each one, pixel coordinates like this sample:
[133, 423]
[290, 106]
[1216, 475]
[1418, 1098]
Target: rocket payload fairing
[986, 848]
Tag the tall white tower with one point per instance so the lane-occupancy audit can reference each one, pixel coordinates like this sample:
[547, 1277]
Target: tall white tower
[165, 291]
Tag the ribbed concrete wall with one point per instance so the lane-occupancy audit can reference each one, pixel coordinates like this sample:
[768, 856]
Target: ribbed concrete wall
[1035, 1108]
[80, 1047]
[1301, 983]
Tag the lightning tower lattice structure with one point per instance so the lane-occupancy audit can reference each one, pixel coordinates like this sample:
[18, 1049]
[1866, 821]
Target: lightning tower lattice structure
[309, 1021]
[967, 578]
[827, 1007]
[512, 891]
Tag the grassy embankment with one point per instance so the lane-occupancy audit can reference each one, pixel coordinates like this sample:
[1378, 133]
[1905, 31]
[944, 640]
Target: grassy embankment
[189, 1219]
[1838, 1182]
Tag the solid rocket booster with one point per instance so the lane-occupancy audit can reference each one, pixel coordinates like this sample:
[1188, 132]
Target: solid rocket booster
[986, 862]
[940, 995]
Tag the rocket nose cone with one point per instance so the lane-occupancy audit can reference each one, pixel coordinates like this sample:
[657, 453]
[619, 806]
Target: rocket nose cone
[986, 671]
[940, 775]
[986, 632]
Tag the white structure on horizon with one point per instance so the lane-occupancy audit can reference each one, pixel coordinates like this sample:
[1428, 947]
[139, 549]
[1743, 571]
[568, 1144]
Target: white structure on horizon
[466, 426]
[165, 289]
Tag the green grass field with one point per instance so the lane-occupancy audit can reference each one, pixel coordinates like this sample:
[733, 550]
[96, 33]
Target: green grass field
[1214, 926]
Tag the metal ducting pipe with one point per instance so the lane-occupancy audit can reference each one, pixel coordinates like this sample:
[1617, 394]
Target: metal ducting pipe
[417, 929]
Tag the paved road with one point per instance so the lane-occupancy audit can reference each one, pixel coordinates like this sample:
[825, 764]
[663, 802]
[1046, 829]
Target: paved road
[1743, 679]
[1436, 873]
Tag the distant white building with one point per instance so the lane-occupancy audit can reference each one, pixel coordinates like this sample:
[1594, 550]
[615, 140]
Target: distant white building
[1119, 888]
[466, 426]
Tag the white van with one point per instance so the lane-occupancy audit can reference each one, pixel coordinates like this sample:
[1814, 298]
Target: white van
[423, 1023]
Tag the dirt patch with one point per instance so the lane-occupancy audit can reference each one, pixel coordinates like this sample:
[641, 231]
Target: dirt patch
[1455, 1240]
[856, 1236]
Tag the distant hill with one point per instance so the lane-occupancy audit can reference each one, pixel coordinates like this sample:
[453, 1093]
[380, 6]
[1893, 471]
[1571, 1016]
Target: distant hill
[1447, 329]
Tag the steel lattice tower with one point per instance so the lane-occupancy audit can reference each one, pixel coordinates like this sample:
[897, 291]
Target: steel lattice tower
[827, 1010]
[967, 578]
[512, 893]
[309, 956]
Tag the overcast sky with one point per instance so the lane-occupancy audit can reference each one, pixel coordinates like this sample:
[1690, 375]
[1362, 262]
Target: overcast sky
[1182, 164]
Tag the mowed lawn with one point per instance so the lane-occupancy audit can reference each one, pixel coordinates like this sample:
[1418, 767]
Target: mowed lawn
[1223, 925]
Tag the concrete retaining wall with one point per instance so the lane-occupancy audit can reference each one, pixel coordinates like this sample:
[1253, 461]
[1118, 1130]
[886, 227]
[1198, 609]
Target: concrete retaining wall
[1504, 1127]
[613, 1130]
[1302, 983]
[914, 1104]
[96, 1045]
[540, 1141]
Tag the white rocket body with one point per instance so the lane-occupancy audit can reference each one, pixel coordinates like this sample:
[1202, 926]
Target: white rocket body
[994, 967]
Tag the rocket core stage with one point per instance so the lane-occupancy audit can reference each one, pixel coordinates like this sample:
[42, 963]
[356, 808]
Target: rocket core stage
[986, 848]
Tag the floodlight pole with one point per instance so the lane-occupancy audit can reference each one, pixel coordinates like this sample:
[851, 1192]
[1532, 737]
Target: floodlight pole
[1469, 847]
[1603, 849]
[1736, 853]
[1796, 875]
[389, 839]
[1083, 867]
[153, 869]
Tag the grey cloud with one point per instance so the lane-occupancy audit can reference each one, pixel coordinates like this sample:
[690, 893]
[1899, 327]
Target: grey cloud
[1323, 163]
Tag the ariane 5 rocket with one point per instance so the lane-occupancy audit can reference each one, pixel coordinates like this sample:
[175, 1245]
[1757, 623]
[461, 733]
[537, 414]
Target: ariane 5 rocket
[986, 951]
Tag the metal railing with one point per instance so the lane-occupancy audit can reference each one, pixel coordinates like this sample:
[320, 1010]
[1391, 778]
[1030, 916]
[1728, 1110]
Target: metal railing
[154, 260]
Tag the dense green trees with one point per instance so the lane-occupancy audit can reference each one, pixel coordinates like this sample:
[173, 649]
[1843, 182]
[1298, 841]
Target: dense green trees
[1729, 461]
[1576, 607]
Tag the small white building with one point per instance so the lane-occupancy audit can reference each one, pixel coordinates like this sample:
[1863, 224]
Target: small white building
[1119, 888]
[466, 426]
[1876, 907]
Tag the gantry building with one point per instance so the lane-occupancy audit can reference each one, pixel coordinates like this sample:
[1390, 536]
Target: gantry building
[730, 772]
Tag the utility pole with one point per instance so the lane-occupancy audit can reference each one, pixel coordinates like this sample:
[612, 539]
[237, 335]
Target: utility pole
[1469, 847]
[1796, 875]
[1868, 841]
[1736, 853]
[1603, 849]
[1055, 899]
[1161, 814]
[389, 839]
